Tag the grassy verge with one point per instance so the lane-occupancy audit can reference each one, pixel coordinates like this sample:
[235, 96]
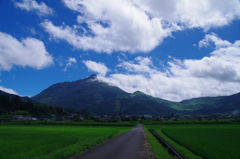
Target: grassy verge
[159, 151]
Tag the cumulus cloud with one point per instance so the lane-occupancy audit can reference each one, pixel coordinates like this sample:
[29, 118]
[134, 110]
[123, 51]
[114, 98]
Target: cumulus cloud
[143, 65]
[31, 5]
[8, 90]
[213, 38]
[191, 14]
[69, 63]
[29, 52]
[96, 67]
[218, 74]
[138, 25]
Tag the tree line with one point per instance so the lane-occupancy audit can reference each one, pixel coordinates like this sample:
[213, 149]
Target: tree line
[16, 106]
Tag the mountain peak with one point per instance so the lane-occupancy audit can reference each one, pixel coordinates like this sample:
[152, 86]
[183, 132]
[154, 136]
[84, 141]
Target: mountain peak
[138, 93]
[93, 76]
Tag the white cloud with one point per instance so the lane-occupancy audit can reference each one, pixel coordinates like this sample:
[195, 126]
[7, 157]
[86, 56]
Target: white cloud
[142, 66]
[8, 90]
[218, 74]
[214, 39]
[32, 30]
[138, 25]
[96, 67]
[31, 5]
[190, 14]
[29, 52]
[69, 63]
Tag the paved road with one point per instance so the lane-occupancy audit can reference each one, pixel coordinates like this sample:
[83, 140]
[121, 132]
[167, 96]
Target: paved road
[129, 145]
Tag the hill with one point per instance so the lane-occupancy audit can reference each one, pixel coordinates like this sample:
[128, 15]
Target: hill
[24, 99]
[207, 105]
[202, 105]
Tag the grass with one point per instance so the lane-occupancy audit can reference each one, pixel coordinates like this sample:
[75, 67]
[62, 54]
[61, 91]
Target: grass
[184, 151]
[51, 142]
[159, 151]
[206, 141]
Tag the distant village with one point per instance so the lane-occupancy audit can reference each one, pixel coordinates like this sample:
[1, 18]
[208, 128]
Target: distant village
[96, 117]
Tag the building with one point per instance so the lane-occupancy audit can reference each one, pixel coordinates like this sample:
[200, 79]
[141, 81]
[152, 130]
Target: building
[60, 119]
[28, 117]
[18, 117]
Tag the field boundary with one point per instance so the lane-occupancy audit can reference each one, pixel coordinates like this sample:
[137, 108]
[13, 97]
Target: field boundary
[169, 147]
[70, 123]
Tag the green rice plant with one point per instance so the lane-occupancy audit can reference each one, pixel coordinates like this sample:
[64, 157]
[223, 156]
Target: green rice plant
[184, 151]
[51, 141]
[211, 142]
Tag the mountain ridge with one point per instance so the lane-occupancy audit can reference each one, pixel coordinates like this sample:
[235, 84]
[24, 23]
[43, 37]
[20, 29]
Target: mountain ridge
[24, 99]
[94, 95]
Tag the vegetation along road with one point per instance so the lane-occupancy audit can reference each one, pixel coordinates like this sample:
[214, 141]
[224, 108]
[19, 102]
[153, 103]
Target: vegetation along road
[127, 145]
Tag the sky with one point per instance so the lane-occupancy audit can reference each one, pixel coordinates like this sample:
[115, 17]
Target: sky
[174, 50]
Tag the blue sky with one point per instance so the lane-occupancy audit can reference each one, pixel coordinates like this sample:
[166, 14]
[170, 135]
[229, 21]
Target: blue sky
[172, 49]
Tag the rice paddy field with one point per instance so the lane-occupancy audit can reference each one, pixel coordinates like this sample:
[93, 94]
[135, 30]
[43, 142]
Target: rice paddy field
[52, 141]
[202, 141]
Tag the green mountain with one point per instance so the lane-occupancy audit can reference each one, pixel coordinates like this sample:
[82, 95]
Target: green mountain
[206, 105]
[140, 96]
[202, 105]
[130, 107]
[78, 94]
[99, 97]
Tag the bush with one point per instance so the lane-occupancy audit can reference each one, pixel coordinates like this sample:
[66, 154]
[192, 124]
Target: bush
[20, 112]
[115, 120]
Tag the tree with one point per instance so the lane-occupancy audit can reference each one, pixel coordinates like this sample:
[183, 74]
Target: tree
[20, 112]
[135, 118]
[123, 118]
[17, 103]
[64, 113]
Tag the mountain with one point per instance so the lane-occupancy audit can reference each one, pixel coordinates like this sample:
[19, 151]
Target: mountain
[99, 97]
[24, 99]
[202, 105]
[206, 105]
[130, 106]
[78, 94]
[140, 96]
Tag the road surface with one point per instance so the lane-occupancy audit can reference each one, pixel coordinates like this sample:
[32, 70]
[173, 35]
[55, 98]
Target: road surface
[130, 145]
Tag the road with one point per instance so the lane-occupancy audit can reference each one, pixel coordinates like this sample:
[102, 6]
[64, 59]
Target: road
[130, 145]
